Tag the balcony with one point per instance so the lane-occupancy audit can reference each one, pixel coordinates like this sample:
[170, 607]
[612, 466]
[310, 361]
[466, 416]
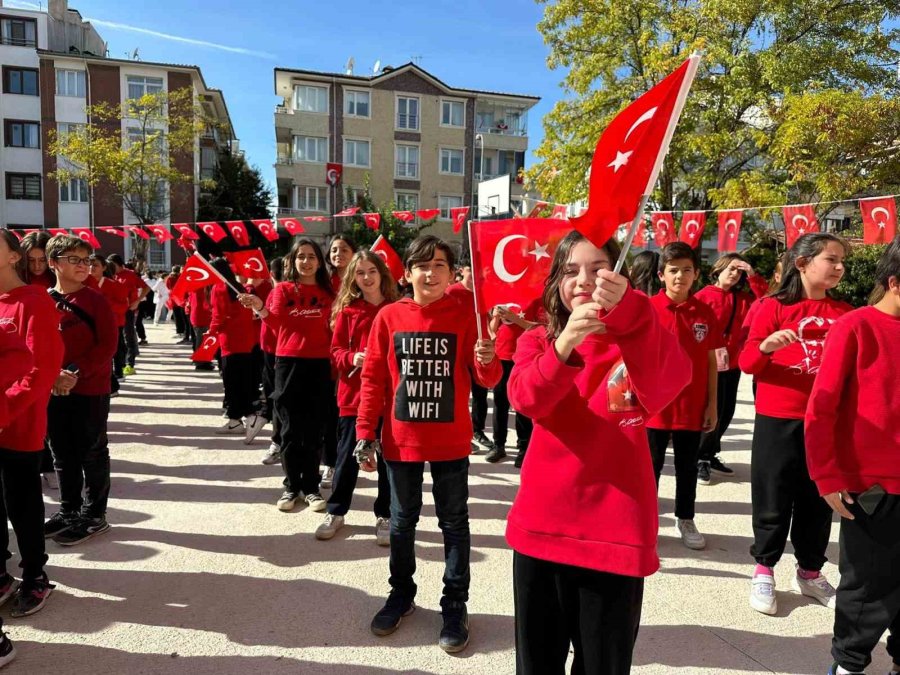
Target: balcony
[283, 110]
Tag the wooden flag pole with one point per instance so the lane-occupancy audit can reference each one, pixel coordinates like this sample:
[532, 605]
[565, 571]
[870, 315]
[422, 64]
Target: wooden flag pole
[477, 313]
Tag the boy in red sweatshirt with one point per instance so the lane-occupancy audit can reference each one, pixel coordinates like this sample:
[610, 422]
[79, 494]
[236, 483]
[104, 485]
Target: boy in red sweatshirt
[695, 328]
[853, 453]
[421, 355]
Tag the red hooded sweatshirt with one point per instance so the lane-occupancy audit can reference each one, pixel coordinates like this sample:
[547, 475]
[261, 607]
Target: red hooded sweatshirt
[301, 313]
[853, 416]
[29, 311]
[417, 376]
[232, 322]
[588, 495]
[784, 378]
[90, 349]
[15, 362]
[351, 335]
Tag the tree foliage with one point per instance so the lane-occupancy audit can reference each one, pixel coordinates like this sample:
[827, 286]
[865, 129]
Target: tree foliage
[240, 193]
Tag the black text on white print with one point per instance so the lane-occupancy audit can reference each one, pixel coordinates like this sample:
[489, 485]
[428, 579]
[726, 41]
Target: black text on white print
[426, 362]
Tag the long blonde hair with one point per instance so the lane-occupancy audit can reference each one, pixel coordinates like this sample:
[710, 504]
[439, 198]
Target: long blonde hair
[350, 291]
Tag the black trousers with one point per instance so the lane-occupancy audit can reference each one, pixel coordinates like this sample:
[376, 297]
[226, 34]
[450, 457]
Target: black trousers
[685, 446]
[346, 474]
[241, 386]
[524, 425]
[726, 402]
[23, 504]
[129, 332]
[119, 356]
[868, 597]
[178, 314]
[76, 425]
[268, 385]
[785, 500]
[479, 406]
[330, 433]
[139, 323]
[301, 386]
[557, 605]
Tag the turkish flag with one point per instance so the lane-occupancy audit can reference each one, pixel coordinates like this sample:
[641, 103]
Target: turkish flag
[54, 231]
[213, 230]
[798, 220]
[238, 232]
[317, 219]
[250, 264]
[640, 237]
[511, 259]
[428, 214]
[629, 155]
[692, 224]
[185, 231]
[348, 211]
[114, 230]
[405, 216]
[86, 234]
[729, 230]
[138, 230]
[663, 228]
[206, 352]
[161, 232]
[560, 212]
[186, 244]
[383, 248]
[292, 225]
[536, 209]
[333, 173]
[879, 220]
[195, 274]
[373, 220]
[459, 215]
[266, 228]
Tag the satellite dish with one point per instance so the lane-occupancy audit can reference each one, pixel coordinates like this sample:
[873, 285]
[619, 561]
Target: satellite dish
[377, 67]
[349, 66]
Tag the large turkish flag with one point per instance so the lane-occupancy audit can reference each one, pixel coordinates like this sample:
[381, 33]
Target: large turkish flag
[195, 274]
[879, 220]
[799, 219]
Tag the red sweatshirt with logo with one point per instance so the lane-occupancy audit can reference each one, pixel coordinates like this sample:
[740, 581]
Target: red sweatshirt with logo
[233, 323]
[15, 362]
[417, 376]
[29, 311]
[853, 415]
[784, 378]
[301, 315]
[89, 350]
[588, 495]
[723, 304]
[351, 335]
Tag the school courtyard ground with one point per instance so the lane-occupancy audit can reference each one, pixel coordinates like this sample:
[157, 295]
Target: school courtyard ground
[201, 574]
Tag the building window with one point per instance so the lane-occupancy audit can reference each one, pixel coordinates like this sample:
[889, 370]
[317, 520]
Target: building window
[453, 113]
[447, 202]
[407, 113]
[20, 81]
[356, 103]
[310, 149]
[139, 86]
[407, 161]
[209, 161]
[312, 198]
[310, 99]
[63, 128]
[73, 190]
[23, 186]
[407, 201]
[18, 32]
[18, 134]
[355, 196]
[452, 161]
[70, 83]
[484, 165]
[356, 153]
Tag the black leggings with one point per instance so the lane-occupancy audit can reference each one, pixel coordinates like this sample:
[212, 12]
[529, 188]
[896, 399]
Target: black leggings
[685, 445]
[726, 402]
[501, 414]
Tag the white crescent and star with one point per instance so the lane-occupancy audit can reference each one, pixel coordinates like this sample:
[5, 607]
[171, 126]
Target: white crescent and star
[733, 229]
[209, 343]
[499, 267]
[254, 265]
[801, 229]
[539, 251]
[623, 157]
[202, 275]
[887, 214]
[692, 231]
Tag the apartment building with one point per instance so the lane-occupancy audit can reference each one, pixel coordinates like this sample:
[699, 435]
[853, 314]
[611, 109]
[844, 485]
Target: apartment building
[54, 64]
[420, 143]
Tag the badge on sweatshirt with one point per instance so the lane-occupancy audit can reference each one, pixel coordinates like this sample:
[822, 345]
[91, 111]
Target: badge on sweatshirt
[812, 331]
[426, 362]
[620, 395]
[701, 330]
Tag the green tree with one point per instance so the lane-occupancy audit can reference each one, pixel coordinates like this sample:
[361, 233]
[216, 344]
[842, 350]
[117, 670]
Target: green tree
[240, 193]
[858, 282]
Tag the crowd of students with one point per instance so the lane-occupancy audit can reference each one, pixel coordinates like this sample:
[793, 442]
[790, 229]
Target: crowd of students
[604, 371]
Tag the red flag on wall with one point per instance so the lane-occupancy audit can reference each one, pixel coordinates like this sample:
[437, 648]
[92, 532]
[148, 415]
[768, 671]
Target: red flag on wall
[138, 230]
[250, 264]
[383, 248]
[161, 232]
[114, 230]
[212, 230]
[373, 220]
[663, 228]
[185, 231]
[428, 214]
[207, 350]
[799, 220]
[560, 212]
[405, 216]
[292, 225]
[238, 232]
[459, 216]
[729, 230]
[266, 228]
[879, 220]
[86, 234]
[692, 224]
[333, 173]
[195, 274]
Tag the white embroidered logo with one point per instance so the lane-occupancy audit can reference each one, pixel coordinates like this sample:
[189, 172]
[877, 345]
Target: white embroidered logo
[812, 331]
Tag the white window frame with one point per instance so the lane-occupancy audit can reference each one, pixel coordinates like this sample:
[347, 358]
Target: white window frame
[304, 191]
[407, 97]
[68, 127]
[355, 92]
[446, 210]
[462, 162]
[70, 78]
[356, 194]
[406, 193]
[347, 162]
[462, 104]
[148, 84]
[321, 144]
[74, 186]
[6, 37]
[295, 99]
[418, 162]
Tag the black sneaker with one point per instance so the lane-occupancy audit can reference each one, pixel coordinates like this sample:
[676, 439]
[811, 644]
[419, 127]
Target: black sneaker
[81, 531]
[7, 651]
[483, 440]
[59, 522]
[455, 633]
[8, 586]
[31, 596]
[717, 467]
[390, 616]
[520, 457]
[495, 454]
[703, 476]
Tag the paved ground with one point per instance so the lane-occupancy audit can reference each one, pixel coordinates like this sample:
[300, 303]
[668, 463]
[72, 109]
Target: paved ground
[201, 574]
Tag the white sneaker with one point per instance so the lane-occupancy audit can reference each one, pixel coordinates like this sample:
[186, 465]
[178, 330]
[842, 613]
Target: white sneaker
[287, 501]
[232, 427]
[50, 480]
[273, 455]
[327, 478]
[315, 502]
[762, 594]
[329, 526]
[383, 532]
[690, 535]
[255, 423]
[818, 589]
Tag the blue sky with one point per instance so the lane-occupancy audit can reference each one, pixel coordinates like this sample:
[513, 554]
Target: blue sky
[477, 44]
